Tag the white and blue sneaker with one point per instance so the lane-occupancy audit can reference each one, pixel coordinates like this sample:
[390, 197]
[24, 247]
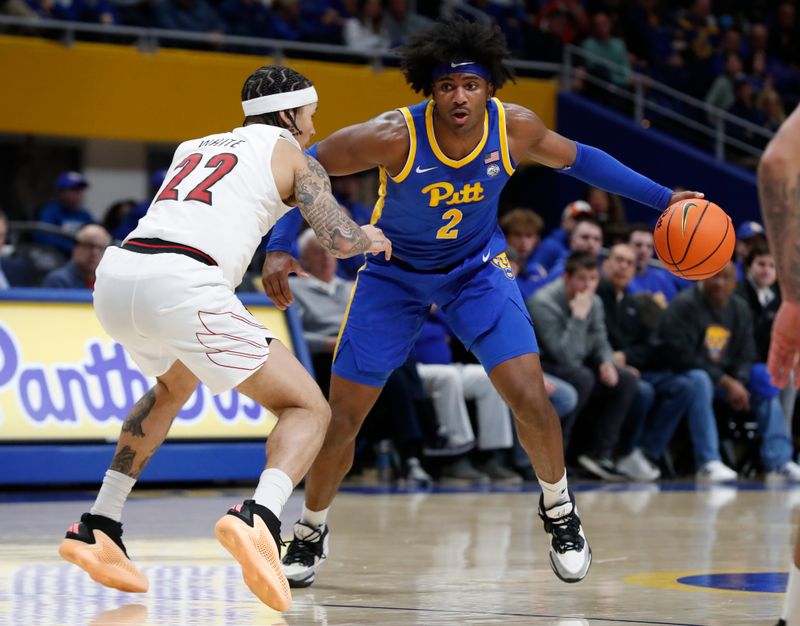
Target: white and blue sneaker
[306, 552]
[570, 554]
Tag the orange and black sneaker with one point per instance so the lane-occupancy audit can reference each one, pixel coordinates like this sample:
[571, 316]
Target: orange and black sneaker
[95, 545]
[252, 534]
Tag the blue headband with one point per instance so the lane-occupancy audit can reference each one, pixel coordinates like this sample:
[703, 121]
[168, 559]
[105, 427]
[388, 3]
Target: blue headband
[465, 67]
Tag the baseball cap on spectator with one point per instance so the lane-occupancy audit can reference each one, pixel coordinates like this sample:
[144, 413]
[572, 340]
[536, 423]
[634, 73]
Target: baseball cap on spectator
[750, 229]
[576, 208]
[71, 180]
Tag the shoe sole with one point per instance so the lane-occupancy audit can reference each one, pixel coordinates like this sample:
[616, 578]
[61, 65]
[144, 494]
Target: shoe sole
[255, 550]
[575, 579]
[301, 583]
[104, 562]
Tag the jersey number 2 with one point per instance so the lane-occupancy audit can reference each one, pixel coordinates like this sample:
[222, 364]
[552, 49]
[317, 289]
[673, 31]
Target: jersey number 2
[222, 164]
[449, 230]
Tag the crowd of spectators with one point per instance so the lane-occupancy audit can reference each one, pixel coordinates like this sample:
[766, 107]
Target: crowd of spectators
[630, 352]
[737, 55]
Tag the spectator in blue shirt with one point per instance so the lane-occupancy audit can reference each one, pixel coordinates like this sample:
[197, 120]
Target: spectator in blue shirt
[749, 236]
[555, 246]
[65, 211]
[521, 228]
[131, 219]
[655, 280]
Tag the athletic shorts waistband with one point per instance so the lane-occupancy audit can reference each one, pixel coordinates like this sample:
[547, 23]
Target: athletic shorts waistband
[153, 245]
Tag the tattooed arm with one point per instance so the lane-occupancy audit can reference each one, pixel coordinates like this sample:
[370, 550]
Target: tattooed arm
[301, 180]
[335, 230]
[779, 190]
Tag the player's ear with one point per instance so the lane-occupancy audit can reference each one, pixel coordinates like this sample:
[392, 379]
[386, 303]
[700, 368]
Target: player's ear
[284, 119]
[490, 90]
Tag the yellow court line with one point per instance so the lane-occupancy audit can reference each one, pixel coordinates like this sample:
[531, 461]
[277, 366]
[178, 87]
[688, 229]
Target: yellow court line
[669, 580]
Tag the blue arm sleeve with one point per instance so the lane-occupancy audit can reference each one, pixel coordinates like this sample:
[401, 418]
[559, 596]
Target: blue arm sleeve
[600, 169]
[283, 235]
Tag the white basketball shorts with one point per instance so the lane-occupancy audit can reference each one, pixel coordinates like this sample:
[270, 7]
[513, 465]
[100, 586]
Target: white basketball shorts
[168, 307]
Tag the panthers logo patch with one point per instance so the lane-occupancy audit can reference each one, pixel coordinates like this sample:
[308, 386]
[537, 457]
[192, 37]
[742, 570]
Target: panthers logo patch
[501, 263]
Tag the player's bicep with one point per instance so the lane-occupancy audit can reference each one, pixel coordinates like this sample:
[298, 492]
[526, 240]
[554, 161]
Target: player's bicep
[553, 150]
[348, 151]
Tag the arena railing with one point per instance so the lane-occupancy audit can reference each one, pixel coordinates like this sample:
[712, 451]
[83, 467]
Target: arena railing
[651, 102]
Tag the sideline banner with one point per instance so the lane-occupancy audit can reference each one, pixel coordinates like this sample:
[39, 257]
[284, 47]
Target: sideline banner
[62, 378]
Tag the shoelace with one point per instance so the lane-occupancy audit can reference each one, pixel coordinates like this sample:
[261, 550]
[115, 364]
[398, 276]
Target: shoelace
[304, 551]
[566, 533]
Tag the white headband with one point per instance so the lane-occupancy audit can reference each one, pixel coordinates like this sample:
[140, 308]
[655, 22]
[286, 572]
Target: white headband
[280, 101]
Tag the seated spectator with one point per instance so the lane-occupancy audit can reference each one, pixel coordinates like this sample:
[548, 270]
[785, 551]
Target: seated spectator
[556, 245]
[601, 45]
[65, 211]
[365, 31]
[574, 347]
[709, 328]
[784, 41]
[14, 271]
[321, 301]
[585, 236]
[131, 218]
[521, 228]
[744, 106]
[324, 20]
[748, 236]
[720, 94]
[90, 245]
[246, 18]
[696, 36]
[631, 330]
[116, 215]
[607, 209]
[770, 103]
[761, 292]
[401, 22]
[449, 385]
[654, 280]
[189, 15]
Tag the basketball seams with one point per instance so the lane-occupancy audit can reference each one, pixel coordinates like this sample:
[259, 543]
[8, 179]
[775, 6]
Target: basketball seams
[672, 264]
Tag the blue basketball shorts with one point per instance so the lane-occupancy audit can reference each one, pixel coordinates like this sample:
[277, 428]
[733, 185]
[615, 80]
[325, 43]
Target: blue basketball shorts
[479, 300]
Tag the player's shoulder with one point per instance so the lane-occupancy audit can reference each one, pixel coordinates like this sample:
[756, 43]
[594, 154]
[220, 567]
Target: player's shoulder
[516, 114]
[389, 125]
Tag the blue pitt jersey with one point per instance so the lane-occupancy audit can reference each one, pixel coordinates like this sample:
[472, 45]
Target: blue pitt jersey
[438, 211]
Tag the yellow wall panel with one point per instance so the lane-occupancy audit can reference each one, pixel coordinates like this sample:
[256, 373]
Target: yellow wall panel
[116, 92]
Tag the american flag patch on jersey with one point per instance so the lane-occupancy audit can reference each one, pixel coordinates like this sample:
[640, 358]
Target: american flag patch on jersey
[491, 157]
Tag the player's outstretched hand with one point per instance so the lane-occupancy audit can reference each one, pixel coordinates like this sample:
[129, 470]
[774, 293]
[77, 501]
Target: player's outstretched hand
[275, 277]
[679, 196]
[784, 347]
[379, 241]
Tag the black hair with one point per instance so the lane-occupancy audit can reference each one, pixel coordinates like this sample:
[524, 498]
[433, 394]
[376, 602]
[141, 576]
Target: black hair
[268, 80]
[759, 249]
[453, 41]
[580, 261]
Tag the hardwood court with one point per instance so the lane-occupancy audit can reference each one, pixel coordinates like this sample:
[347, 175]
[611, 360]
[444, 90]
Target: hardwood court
[424, 558]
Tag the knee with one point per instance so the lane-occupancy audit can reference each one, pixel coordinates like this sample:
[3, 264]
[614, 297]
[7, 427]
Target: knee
[529, 402]
[700, 382]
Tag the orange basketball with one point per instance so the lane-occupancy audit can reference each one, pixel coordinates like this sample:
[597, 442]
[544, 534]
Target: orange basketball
[694, 239]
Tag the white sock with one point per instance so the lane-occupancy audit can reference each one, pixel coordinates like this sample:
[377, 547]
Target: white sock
[555, 493]
[791, 603]
[273, 490]
[113, 494]
[315, 519]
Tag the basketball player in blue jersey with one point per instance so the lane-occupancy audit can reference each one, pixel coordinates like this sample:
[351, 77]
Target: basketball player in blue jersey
[443, 164]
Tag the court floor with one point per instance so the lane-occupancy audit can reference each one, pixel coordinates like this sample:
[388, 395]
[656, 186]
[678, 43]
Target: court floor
[671, 555]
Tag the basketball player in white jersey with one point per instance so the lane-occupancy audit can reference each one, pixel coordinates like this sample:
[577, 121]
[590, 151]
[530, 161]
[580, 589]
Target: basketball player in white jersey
[779, 191]
[167, 295]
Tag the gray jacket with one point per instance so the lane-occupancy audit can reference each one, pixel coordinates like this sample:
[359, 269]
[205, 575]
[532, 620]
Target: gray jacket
[563, 339]
[321, 307]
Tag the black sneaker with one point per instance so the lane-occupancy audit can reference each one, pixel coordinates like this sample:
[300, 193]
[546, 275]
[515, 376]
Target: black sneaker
[307, 551]
[781, 622]
[570, 554]
[95, 545]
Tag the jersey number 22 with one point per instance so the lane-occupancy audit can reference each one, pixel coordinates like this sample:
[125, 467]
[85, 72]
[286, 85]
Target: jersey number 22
[222, 164]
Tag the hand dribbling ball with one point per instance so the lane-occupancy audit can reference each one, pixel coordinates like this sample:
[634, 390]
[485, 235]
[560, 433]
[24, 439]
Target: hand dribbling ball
[694, 239]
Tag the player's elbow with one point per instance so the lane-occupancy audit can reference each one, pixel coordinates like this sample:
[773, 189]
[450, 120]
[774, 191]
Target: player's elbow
[777, 161]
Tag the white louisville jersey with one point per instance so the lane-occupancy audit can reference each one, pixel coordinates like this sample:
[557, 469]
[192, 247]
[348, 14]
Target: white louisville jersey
[219, 196]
